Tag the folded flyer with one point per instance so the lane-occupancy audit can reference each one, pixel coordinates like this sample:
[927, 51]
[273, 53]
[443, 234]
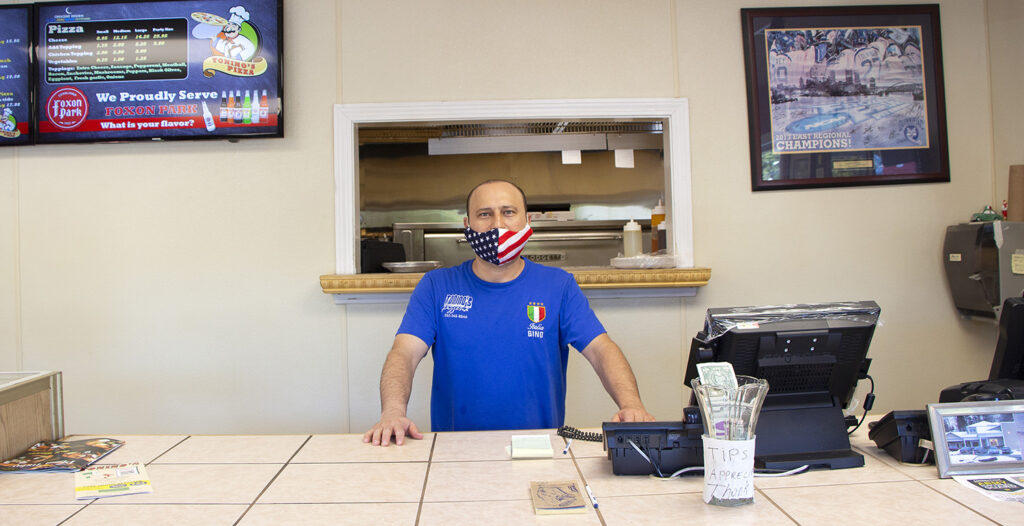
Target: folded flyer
[111, 481]
[1007, 487]
[61, 455]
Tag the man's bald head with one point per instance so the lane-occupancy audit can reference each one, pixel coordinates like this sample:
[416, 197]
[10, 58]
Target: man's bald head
[495, 181]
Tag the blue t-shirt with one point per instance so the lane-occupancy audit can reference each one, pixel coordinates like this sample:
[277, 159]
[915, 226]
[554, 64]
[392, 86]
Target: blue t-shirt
[500, 349]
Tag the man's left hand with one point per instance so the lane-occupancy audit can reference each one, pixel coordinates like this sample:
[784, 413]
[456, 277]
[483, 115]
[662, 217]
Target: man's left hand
[633, 415]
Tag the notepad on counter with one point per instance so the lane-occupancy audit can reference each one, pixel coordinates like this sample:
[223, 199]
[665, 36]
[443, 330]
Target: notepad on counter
[531, 446]
[558, 497]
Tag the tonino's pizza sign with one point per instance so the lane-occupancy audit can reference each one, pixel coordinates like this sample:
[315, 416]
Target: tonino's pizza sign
[237, 68]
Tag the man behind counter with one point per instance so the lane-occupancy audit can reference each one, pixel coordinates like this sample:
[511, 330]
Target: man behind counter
[501, 327]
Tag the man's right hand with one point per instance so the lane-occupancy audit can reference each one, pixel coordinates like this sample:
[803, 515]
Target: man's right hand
[399, 426]
[395, 386]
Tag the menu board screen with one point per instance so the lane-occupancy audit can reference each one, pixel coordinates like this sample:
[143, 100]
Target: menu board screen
[15, 75]
[111, 71]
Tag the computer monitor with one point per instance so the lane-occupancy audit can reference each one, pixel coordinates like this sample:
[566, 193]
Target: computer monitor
[812, 356]
[1008, 362]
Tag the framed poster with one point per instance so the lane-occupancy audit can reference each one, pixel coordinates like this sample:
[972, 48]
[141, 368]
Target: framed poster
[977, 437]
[843, 96]
[15, 75]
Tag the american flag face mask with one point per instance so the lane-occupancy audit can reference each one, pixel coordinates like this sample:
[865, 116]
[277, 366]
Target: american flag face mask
[498, 245]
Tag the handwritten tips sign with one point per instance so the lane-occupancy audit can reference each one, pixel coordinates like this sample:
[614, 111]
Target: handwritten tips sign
[728, 471]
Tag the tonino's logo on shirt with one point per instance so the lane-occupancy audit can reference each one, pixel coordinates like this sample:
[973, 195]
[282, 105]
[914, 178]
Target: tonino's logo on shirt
[456, 305]
[536, 312]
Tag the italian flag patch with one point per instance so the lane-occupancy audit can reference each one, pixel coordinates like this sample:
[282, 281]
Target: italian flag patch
[535, 311]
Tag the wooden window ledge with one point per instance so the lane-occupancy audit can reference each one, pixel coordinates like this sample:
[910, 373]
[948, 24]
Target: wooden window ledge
[589, 278]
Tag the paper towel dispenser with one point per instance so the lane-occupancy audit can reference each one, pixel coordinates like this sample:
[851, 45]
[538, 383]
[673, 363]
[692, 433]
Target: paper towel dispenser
[984, 264]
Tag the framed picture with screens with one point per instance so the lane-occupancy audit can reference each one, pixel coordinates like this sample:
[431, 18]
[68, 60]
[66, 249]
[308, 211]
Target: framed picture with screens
[812, 356]
[172, 69]
[977, 437]
[15, 75]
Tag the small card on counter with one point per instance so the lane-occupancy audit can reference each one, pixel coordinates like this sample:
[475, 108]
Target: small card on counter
[111, 481]
[531, 446]
[558, 497]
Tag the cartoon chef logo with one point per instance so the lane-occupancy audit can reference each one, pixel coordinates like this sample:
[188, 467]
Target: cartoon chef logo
[9, 125]
[235, 43]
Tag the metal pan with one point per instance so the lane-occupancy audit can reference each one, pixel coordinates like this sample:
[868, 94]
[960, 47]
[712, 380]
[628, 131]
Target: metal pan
[411, 266]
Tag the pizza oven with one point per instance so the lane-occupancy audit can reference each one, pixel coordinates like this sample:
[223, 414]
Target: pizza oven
[554, 243]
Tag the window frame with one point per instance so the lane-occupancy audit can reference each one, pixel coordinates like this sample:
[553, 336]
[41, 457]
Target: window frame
[348, 118]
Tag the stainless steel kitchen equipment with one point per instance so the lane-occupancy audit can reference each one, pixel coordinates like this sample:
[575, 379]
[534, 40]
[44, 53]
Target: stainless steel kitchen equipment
[411, 266]
[555, 243]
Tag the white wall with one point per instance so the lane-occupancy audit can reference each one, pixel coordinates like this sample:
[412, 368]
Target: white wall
[1005, 20]
[175, 284]
[182, 277]
[9, 307]
[9, 303]
[882, 243]
[461, 50]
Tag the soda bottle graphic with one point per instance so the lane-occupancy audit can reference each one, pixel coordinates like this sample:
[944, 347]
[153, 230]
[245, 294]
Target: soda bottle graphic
[223, 107]
[247, 109]
[230, 110]
[264, 107]
[254, 109]
[208, 118]
[238, 107]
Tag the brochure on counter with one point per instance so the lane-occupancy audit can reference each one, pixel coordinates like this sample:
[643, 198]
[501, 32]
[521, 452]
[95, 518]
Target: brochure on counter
[1005, 487]
[110, 481]
[61, 455]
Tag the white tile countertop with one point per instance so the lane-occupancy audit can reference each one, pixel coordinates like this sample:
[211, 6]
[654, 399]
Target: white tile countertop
[466, 478]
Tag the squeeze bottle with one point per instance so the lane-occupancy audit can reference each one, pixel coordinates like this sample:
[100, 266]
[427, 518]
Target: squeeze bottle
[657, 216]
[631, 236]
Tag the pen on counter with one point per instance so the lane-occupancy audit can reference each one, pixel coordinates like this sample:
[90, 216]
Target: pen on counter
[566, 450]
[591, 493]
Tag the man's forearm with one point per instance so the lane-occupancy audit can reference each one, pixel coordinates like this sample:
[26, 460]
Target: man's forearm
[396, 384]
[620, 382]
[395, 387]
[615, 373]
